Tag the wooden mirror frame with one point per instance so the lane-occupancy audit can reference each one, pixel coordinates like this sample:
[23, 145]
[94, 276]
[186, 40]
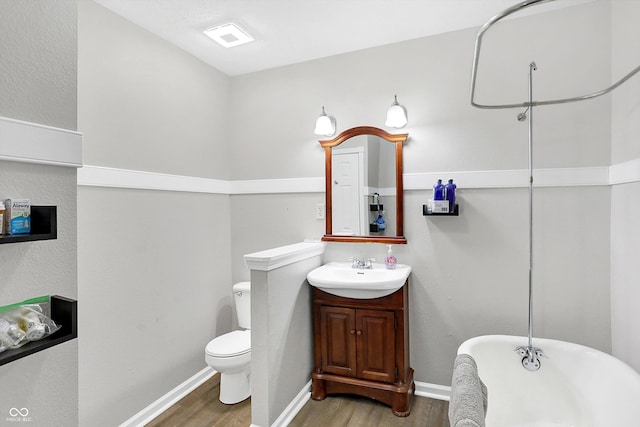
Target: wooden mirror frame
[328, 144]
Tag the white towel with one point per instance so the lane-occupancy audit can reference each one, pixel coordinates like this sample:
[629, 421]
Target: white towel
[468, 404]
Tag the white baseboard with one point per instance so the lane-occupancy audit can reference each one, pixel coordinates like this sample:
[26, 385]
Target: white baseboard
[165, 402]
[294, 407]
[434, 391]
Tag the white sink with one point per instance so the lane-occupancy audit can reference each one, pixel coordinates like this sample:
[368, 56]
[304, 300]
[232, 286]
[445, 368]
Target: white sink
[339, 278]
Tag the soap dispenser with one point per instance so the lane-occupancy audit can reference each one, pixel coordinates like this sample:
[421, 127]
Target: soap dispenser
[390, 260]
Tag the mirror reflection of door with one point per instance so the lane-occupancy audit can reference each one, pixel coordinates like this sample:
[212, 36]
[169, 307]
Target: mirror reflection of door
[347, 179]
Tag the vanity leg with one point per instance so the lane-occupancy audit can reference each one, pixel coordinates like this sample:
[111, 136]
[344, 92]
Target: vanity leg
[401, 404]
[318, 391]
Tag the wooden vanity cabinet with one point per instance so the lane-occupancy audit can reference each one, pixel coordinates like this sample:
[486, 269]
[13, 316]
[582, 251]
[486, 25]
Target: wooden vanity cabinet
[361, 346]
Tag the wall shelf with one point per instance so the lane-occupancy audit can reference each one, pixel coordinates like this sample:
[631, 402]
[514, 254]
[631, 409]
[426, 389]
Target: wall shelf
[64, 312]
[44, 226]
[425, 212]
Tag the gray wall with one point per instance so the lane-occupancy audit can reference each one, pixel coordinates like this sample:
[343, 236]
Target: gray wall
[142, 106]
[470, 272]
[39, 62]
[154, 266]
[37, 84]
[147, 105]
[625, 200]
[282, 341]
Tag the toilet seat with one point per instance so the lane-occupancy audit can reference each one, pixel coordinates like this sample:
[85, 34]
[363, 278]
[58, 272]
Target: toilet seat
[231, 344]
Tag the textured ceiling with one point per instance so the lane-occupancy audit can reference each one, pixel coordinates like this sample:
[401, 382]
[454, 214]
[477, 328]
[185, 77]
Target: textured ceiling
[292, 31]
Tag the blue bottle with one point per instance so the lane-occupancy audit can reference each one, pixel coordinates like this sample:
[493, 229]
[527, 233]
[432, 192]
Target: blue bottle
[381, 223]
[450, 194]
[438, 191]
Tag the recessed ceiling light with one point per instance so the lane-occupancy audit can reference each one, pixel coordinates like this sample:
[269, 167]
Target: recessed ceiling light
[229, 35]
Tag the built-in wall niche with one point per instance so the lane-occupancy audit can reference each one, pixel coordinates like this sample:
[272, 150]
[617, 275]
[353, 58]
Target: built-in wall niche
[64, 311]
[44, 226]
[33, 143]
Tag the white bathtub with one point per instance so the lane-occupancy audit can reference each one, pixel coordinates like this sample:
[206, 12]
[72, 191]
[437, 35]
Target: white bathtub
[576, 386]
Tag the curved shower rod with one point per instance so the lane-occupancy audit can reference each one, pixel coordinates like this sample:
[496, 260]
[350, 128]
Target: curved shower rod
[476, 57]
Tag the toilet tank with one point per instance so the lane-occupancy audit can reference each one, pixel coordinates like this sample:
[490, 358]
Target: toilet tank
[242, 295]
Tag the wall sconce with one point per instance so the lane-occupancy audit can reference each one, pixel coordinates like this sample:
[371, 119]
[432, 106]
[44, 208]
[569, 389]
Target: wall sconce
[396, 115]
[325, 125]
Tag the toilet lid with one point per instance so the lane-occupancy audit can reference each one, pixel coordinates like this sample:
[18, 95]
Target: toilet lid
[230, 344]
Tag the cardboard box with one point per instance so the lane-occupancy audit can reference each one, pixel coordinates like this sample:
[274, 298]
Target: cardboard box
[438, 206]
[17, 216]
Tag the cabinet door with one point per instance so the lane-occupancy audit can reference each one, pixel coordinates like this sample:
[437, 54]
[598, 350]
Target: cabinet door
[337, 335]
[375, 343]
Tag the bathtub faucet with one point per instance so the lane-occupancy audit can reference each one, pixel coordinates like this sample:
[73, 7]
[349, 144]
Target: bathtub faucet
[530, 357]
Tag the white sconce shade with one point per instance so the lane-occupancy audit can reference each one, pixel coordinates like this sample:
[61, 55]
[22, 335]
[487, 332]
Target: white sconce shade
[396, 115]
[325, 125]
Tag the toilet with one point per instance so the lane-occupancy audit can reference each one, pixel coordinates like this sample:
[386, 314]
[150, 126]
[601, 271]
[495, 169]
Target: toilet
[230, 354]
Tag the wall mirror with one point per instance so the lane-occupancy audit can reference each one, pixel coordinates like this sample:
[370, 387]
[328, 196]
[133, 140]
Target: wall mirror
[363, 185]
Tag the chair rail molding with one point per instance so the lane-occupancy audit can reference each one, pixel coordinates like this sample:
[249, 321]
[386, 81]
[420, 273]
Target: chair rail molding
[28, 142]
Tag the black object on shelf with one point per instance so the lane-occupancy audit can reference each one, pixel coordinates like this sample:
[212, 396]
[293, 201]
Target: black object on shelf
[44, 226]
[376, 208]
[64, 312]
[427, 213]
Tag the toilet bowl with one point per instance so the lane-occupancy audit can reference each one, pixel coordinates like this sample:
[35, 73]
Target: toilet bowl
[230, 354]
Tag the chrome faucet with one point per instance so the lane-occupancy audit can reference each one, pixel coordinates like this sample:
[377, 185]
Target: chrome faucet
[530, 357]
[362, 263]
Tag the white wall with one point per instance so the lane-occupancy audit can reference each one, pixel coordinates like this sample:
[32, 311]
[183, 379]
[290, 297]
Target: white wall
[154, 266]
[470, 272]
[625, 197]
[37, 84]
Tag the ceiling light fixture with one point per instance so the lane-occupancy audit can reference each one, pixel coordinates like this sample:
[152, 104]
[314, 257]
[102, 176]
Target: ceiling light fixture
[228, 35]
[396, 115]
[325, 125]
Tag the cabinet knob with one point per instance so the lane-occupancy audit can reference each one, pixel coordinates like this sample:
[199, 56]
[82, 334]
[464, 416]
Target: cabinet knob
[359, 333]
[353, 331]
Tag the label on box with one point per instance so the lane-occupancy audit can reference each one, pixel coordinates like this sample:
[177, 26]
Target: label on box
[438, 206]
[17, 216]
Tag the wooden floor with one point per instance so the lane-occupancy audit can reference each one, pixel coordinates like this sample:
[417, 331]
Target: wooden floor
[201, 408]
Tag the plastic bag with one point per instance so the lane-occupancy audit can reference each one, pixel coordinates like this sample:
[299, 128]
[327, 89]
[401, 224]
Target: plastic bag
[24, 322]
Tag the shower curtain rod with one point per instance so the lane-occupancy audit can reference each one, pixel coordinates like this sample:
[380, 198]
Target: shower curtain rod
[531, 103]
